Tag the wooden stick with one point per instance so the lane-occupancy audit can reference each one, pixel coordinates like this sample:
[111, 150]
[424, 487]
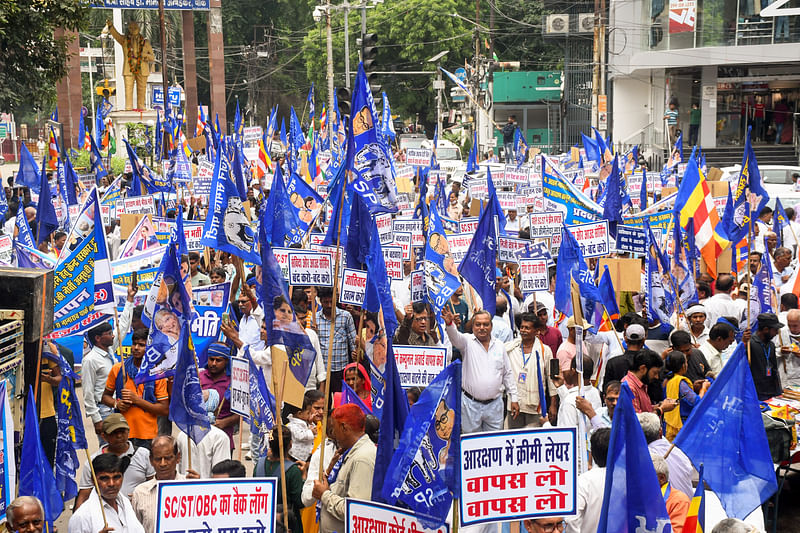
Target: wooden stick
[330, 339]
[94, 480]
[278, 404]
[189, 451]
[241, 432]
[669, 451]
[358, 335]
[38, 379]
[749, 285]
[119, 344]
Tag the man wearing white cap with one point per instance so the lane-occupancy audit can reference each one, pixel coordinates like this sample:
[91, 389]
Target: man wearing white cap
[696, 315]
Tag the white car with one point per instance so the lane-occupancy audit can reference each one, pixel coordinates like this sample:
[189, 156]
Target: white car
[447, 153]
[777, 181]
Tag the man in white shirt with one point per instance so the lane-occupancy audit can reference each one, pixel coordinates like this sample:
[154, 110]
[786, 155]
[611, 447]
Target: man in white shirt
[215, 447]
[252, 318]
[530, 361]
[164, 456]
[500, 327]
[782, 266]
[720, 336]
[680, 467]
[116, 509]
[721, 304]
[591, 485]
[485, 371]
[94, 372]
[512, 223]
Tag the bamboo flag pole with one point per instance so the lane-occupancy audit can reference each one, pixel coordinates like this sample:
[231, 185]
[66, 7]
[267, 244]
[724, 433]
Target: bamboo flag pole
[94, 480]
[279, 419]
[749, 285]
[330, 337]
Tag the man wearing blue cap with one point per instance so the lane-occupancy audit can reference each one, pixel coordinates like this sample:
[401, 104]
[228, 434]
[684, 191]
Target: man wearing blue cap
[215, 376]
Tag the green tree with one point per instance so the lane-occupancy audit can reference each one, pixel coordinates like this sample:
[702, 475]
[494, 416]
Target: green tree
[32, 59]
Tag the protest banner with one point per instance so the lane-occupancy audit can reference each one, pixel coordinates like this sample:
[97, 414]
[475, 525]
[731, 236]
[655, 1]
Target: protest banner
[246, 504]
[518, 474]
[418, 285]
[412, 226]
[384, 224]
[137, 205]
[193, 231]
[509, 247]
[316, 238]
[201, 183]
[418, 157]
[354, 285]
[6, 247]
[404, 171]
[310, 268]
[403, 240]
[631, 239]
[215, 295]
[393, 257]
[508, 200]
[419, 365]
[468, 225]
[564, 197]
[251, 134]
[533, 275]
[516, 176]
[282, 258]
[545, 224]
[372, 517]
[479, 188]
[435, 176]
[144, 279]
[591, 237]
[240, 386]
[459, 245]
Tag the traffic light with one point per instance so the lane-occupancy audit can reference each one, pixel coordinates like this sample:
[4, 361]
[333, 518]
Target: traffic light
[105, 90]
[369, 54]
[343, 96]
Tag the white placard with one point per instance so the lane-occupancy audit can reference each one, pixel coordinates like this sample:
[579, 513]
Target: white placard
[365, 517]
[403, 240]
[239, 504]
[479, 188]
[252, 134]
[393, 257]
[418, 157]
[518, 474]
[468, 225]
[6, 247]
[310, 268]
[282, 258]
[545, 224]
[459, 244]
[240, 386]
[419, 365]
[384, 223]
[592, 238]
[517, 176]
[508, 200]
[508, 247]
[354, 286]
[404, 171]
[412, 226]
[138, 205]
[418, 286]
[533, 275]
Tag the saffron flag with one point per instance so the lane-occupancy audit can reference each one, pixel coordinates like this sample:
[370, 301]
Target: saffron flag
[696, 517]
[694, 201]
[632, 499]
[424, 468]
[725, 434]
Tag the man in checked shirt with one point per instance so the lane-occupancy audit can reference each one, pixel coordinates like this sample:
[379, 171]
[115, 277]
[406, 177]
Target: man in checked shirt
[344, 337]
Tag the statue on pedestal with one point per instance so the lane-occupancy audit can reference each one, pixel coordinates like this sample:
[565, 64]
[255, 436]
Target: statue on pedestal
[138, 56]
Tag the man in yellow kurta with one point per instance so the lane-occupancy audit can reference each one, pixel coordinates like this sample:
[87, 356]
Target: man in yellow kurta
[138, 56]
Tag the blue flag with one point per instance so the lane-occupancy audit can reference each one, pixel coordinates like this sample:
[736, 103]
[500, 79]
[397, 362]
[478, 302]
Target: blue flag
[238, 125]
[472, 158]
[761, 292]
[499, 215]
[591, 149]
[643, 191]
[387, 127]
[178, 235]
[361, 223]
[615, 192]
[632, 499]
[660, 302]
[71, 180]
[262, 403]
[725, 434]
[28, 174]
[280, 320]
[71, 436]
[608, 295]
[186, 404]
[424, 470]
[341, 198]
[378, 295]
[239, 170]
[227, 227]
[371, 157]
[393, 420]
[81, 130]
[441, 280]
[304, 201]
[779, 221]
[36, 476]
[735, 220]
[24, 232]
[570, 263]
[3, 203]
[46, 219]
[479, 265]
[350, 396]
[520, 147]
[96, 161]
[279, 219]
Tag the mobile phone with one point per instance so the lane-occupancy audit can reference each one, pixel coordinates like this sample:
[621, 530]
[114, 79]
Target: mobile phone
[135, 280]
[226, 318]
[555, 368]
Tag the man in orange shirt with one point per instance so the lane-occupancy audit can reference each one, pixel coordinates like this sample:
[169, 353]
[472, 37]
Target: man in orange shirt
[677, 502]
[141, 405]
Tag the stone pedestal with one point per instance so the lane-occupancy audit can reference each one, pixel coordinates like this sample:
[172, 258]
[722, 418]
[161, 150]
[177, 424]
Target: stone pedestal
[120, 118]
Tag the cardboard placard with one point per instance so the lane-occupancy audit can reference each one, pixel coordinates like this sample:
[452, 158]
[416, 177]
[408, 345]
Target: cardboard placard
[719, 188]
[128, 222]
[294, 391]
[626, 273]
[723, 262]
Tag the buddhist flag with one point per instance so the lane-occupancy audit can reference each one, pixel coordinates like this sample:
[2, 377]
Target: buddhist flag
[201, 122]
[696, 517]
[264, 163]
[694, 200]
[52, 151]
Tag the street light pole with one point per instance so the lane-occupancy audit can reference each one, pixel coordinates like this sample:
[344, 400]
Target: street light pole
[330, 61]
[346, 7]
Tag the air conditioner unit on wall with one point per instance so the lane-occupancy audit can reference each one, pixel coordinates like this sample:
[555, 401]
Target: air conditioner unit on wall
[557, 24]
[586, 23]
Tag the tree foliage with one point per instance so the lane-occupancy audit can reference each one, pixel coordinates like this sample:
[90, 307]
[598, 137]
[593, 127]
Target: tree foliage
[32, 59]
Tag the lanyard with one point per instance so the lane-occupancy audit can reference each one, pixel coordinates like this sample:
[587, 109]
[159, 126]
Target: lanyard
[527, 358]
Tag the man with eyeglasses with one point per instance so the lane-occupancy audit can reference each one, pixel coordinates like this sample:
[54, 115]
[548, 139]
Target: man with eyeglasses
[25, 515]
[545, 525]
[414, 330]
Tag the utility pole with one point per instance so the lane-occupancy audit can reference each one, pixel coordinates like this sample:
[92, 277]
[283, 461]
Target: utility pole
[596, 62]
[439, 87]
[346, 7]
[164, 83]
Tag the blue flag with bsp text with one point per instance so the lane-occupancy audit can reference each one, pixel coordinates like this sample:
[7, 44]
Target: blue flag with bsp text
[36, 476]
[725, 434]
[423, 474]
[24, 232]
[227, 227]
[71, 436]
[262, 402]
[479, 266]
[186, 407]
[632, 500]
